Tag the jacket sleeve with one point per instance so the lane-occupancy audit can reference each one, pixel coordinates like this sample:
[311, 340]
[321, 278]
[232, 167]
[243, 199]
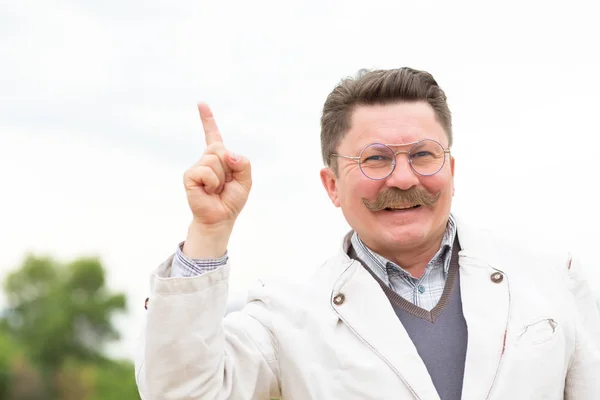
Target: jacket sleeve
[189, 350]
[582, 381]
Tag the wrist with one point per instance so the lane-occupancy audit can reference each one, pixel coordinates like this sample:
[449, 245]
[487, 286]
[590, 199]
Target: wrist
[207, 241]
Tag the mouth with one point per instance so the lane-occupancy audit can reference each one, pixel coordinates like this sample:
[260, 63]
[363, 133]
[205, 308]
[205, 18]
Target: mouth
[401, 209]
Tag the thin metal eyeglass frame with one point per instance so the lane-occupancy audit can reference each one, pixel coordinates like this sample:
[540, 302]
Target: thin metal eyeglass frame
[389, 146]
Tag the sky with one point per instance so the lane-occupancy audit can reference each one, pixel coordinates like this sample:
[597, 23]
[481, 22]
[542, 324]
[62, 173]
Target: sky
[98, 123]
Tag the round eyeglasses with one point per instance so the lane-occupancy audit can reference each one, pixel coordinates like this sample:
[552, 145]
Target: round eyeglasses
[377, 160]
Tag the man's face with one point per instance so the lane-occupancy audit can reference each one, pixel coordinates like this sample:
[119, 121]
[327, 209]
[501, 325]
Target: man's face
[388, 231]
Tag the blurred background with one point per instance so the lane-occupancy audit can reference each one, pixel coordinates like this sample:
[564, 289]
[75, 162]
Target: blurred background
[98, 122]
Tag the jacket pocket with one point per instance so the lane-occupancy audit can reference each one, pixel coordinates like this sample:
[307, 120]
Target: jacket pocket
[538, 332]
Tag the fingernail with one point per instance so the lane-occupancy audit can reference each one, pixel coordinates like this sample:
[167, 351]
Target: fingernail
[229, 178]
[235, 157]
[219, 189]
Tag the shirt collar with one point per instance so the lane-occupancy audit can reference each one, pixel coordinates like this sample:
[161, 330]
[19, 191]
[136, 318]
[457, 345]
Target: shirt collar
[380, 264]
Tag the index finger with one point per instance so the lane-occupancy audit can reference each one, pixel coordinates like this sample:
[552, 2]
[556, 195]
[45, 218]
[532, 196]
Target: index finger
[211, 131]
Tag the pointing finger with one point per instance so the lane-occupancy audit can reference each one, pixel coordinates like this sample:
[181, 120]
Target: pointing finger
[211, 131]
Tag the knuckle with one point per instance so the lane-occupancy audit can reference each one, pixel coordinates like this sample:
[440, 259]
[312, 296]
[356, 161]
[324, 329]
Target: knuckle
[212, 175]
[215, 148]
[195, 172]
[187, 174]
[209, 159]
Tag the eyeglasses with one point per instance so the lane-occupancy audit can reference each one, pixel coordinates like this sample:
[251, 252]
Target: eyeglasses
[377, 160]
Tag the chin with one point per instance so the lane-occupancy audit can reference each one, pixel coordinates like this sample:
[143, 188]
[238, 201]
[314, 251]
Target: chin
[396, 229]
[405, 236]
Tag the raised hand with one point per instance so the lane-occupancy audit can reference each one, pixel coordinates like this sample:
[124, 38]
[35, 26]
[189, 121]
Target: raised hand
[217, 188]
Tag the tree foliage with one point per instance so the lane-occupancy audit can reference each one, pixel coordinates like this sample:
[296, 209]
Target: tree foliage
[54, 330]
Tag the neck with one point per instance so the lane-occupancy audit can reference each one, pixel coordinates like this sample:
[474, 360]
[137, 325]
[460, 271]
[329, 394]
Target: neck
[414, 260]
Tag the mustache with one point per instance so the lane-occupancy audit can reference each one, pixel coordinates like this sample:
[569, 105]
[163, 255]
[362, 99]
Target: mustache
[395, 197]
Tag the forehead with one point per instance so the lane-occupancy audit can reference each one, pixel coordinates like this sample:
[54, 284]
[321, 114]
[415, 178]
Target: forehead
[394, 123]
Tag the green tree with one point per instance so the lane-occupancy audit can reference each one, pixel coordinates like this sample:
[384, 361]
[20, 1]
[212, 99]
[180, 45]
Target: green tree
[62, 316]
[8, 351]
[109, 382]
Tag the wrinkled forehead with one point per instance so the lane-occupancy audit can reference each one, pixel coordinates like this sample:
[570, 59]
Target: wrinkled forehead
[400, 124]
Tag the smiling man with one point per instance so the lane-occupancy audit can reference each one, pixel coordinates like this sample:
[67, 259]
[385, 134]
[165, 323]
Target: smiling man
[401, 210]
[416, 304]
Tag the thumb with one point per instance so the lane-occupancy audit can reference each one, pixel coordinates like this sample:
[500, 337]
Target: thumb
[240, 166]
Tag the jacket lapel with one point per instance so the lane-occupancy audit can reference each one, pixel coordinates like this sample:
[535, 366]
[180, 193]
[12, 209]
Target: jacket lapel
[486, 308]
[366, 310]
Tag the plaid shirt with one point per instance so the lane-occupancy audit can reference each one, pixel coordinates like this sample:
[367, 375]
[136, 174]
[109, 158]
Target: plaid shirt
[424, 292]
[184, 266]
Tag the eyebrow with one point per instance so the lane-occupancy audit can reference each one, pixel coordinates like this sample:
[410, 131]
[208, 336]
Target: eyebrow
[400, 144]
[389, 144]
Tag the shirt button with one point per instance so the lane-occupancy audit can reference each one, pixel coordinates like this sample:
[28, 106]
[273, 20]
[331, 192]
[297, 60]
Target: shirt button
[421, 289]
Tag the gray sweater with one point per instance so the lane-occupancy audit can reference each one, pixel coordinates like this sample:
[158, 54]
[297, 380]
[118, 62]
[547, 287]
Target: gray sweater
[439, 335]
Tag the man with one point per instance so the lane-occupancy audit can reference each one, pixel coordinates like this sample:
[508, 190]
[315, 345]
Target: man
[417, 304]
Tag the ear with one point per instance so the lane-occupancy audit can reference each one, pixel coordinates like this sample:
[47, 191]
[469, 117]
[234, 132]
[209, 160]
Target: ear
[330, 184]
[452, 172]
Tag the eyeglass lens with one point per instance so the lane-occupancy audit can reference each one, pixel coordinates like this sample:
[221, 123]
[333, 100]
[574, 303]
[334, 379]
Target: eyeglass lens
[426, 157]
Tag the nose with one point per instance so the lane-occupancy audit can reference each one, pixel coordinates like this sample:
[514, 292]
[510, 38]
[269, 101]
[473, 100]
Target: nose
[403, 177]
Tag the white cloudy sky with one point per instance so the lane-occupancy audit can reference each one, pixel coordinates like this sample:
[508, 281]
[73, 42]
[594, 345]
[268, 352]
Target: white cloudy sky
[98, 122]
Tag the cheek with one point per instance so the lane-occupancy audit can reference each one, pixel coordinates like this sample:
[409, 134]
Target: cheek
[357, 188]
[368, 189]
[439, 184]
